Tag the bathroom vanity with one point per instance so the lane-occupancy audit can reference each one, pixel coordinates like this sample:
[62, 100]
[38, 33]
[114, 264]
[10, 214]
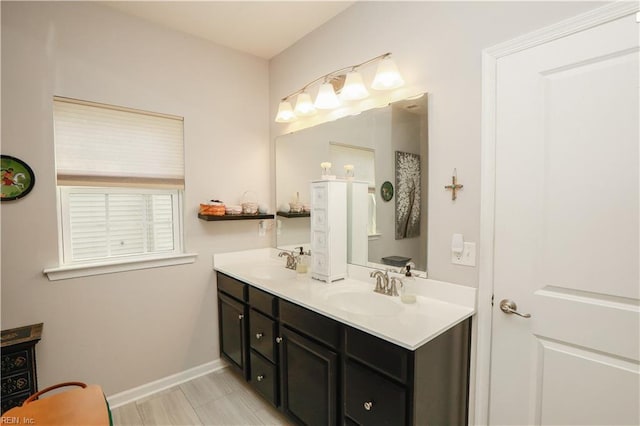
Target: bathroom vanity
[338, 353]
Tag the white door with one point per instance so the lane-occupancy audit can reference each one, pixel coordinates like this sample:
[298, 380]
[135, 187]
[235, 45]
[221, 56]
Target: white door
[567, 231]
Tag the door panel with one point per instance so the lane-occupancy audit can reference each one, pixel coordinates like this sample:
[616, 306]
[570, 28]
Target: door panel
[567, 231]
[585, 387]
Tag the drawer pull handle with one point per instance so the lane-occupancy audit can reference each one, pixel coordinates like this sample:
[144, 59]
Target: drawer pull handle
[278, 339]
[368, 405]
[260, 378]
[240, 316]
[259, 336]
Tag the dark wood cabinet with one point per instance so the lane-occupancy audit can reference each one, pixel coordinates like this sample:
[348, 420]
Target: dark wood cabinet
[370, 398]
[319, 371]
[18, 353]
[264, 378]
[232, 317]
[263, 335]
[309, 377]
[385, 384]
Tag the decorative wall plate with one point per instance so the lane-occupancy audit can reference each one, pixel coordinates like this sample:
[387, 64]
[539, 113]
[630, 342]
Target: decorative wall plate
[386, 191]
[17, 178]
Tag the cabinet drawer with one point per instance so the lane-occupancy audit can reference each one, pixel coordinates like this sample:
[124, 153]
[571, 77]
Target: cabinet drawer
[262, 334]
[263, 301]
[264, 378]
[232, 287]
[378, 353]
[371, 398]
[19, 360]
[15, 400]
[16, 383]
[310, 323]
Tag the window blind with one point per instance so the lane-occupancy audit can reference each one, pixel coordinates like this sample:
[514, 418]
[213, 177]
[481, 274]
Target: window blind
[107, 224]
[103, 145]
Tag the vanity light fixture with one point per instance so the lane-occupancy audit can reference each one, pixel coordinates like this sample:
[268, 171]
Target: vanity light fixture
[285, 113]
[353, 89]
[347, 82]
[327, 98]
[304, 106]
[387, 77]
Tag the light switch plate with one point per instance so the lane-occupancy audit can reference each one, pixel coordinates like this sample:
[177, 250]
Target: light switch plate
[467, 257]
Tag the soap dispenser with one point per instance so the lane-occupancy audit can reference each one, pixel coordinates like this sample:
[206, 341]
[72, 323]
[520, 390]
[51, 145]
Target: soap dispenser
[302, 265]
[407, 292]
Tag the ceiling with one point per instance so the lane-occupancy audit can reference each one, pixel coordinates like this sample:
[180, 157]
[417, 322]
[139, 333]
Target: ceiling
[260, 28]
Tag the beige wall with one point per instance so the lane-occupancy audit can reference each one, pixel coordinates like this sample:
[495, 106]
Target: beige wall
[437, 46]
[125, 329]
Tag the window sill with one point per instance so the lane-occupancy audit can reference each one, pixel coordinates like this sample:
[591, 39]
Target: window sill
[89, 269]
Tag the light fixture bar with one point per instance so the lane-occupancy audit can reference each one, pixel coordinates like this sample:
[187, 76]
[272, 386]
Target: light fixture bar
[355, 91]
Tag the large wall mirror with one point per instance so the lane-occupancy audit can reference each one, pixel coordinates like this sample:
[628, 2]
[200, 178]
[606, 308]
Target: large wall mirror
[387, 151]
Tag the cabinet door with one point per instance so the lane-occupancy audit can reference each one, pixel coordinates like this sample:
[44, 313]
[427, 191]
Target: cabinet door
[308, 377]
[232, 317]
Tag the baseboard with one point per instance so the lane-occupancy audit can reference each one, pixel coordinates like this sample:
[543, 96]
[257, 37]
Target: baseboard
[147, 389]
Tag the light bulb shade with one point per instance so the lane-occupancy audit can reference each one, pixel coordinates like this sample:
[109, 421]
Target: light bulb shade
[327, 98]
[387, 77]
[285, 113]
[304, 106]
[353, 89]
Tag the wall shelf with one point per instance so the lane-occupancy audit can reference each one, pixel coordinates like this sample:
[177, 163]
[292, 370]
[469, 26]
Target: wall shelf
[287, 214]
[235, 217]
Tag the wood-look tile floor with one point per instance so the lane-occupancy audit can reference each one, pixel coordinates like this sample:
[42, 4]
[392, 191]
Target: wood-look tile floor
[219, 398]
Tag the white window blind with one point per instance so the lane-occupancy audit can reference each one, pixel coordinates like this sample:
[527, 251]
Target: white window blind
[120, 175]
[103, 145]
[111, 223]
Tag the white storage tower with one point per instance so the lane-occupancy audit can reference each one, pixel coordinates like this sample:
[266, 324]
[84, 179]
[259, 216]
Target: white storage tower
[329, 230]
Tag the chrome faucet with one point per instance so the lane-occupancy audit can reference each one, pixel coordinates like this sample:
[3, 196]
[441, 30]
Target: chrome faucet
[292, 261]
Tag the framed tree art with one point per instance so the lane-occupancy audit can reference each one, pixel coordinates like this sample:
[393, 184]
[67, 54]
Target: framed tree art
[408, 195]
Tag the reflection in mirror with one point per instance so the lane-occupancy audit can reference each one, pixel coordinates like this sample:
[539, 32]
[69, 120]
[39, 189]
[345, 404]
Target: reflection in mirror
[383, 147]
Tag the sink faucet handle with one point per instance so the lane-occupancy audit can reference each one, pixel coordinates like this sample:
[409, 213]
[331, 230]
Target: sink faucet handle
[381, 281]
[393, 287]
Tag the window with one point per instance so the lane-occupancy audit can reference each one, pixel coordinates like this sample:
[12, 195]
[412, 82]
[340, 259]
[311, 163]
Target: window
[120, 178]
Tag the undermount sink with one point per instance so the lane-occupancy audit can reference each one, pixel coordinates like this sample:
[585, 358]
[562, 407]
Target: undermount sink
[271, 272]
[364, 303]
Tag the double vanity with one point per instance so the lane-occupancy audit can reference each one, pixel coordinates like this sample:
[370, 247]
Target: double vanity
[340, 353]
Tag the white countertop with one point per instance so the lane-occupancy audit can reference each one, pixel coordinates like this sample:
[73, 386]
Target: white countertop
[439, 305]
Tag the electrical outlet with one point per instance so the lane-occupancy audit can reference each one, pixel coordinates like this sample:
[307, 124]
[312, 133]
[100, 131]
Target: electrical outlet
[467, 257]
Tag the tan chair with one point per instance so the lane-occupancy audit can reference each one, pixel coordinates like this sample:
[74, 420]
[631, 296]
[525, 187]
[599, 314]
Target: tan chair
[84, 406]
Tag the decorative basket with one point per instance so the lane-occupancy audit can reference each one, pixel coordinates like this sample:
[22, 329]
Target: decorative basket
[249, 205]
[233, 210]
[213, 208]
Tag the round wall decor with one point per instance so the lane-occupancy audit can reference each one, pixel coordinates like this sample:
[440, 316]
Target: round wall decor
[17, 178]
[386, 191]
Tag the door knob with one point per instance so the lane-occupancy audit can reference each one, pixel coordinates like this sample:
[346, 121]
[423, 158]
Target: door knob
[259, 335]
[509, 307]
